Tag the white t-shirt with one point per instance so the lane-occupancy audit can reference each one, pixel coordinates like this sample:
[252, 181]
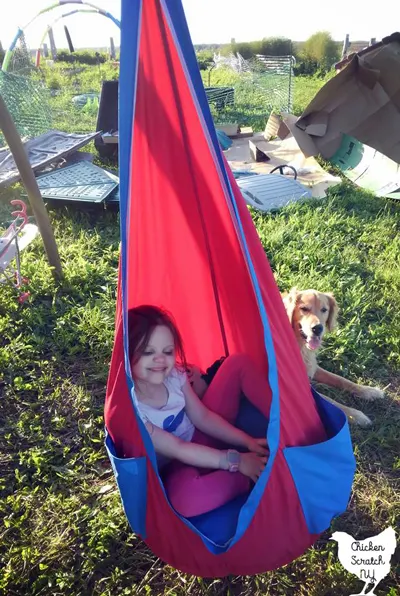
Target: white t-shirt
[171, 417]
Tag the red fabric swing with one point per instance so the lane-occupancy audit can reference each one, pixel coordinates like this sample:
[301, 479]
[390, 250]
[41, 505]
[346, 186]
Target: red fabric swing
[189, 245]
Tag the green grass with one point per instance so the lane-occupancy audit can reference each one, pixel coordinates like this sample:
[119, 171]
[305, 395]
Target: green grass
[62, 528]
[305, 89]
[66, 81]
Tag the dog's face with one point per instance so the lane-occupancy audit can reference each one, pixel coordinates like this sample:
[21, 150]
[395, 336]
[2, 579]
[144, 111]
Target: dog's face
[311, 313]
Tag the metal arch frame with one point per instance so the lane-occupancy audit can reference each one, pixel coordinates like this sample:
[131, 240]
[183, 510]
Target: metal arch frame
[21, 30]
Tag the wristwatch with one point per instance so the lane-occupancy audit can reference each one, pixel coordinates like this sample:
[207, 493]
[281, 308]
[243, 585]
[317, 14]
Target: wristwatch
[233, 459]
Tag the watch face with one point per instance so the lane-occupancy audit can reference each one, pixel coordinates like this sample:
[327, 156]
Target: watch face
[233, 457]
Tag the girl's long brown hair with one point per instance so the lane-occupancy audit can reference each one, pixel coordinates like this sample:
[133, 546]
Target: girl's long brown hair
[142, 320]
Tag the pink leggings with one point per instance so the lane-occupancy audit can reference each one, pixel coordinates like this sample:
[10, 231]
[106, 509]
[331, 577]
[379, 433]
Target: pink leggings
[193, 491]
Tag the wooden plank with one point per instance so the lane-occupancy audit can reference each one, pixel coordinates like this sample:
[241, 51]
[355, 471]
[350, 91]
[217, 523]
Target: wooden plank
[245, 131]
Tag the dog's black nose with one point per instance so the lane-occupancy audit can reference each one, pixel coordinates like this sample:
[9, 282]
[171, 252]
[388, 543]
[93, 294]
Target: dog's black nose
[317, 329]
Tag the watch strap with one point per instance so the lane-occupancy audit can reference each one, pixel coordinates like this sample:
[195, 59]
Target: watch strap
[233, 459]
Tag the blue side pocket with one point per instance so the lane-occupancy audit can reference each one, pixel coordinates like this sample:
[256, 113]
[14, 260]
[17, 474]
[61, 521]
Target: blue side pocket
[323, 473]
[131, 476]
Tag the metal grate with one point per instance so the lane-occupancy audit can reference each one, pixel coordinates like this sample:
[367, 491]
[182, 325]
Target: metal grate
[267, 192]
[79, 182]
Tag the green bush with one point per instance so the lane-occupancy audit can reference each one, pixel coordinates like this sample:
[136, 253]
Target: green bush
[320, 52]
[54, 83]
[205, 59]
[305, 67]
[269, 46]
[81, 56]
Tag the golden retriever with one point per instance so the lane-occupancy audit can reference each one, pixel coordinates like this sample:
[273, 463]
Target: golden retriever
[311, 314]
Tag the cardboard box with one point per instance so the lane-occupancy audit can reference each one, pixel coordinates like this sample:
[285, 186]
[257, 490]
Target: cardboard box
[110, 138]
[244, 132]
[258, 150]
[229, 129]
[361, 101]
[275, 127]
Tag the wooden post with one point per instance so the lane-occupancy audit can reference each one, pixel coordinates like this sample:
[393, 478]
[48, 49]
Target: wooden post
[69, 40]
[14, 142]
[346, 45]
[45, 50]
[53, 48]
[112, 49]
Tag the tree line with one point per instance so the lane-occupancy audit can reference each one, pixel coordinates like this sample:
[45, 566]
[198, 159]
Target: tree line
[316, 55]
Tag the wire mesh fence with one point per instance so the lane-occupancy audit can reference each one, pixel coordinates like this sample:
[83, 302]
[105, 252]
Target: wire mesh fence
[28, 102]
[257, 87]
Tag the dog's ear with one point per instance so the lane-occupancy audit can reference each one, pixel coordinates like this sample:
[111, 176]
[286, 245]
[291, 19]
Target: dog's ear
[290, 301]
[333, 312]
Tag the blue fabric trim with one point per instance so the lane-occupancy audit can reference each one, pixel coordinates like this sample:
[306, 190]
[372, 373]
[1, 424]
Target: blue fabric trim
[324, 473]
[177, 21]
[130, 30]
[176, 18]
[131, 19]
[185, 49]
[180, 31]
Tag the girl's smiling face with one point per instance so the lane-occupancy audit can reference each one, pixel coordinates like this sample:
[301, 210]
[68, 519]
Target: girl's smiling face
[158, 357]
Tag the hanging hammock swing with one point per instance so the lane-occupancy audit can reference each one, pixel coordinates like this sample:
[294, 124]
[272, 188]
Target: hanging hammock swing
[188, 244]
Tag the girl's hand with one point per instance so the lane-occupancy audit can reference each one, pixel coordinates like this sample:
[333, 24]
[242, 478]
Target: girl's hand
[198, 384]
[252, 465]
[258, 446]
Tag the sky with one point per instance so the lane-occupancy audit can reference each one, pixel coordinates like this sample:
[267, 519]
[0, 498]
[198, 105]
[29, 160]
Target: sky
[210, 21]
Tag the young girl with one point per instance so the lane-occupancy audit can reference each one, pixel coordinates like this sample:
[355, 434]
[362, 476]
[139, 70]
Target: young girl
[191, 436]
